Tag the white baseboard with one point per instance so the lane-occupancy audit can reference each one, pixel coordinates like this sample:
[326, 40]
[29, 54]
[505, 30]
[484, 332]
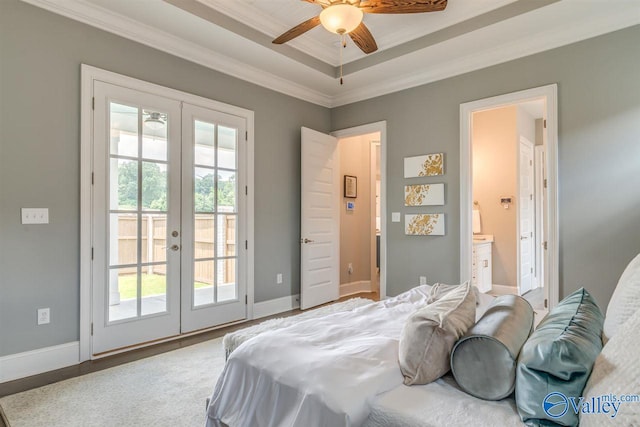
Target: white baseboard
[21, 365]
[355, 287]
[275, 306]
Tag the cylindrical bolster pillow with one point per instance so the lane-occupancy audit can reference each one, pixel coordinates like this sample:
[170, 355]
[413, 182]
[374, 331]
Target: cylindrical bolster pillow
[484, 360]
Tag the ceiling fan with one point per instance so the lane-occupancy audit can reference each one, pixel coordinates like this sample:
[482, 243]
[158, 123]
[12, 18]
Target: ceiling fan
[345, 17]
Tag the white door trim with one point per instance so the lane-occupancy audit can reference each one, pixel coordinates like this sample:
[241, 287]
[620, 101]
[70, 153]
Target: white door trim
[88, 75]
[363, 130]
[550, 94]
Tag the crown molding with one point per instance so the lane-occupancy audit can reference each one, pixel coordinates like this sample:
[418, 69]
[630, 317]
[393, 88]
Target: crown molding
[103, 19]
[264, 23]
[505, 52]
[88, 13]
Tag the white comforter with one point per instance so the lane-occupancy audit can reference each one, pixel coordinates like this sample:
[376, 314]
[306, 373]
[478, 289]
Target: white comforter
[320, 372]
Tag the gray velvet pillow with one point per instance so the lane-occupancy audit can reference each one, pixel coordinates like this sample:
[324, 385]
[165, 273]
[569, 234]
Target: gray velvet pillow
[430, 332]
[558, 358]
[484, 361]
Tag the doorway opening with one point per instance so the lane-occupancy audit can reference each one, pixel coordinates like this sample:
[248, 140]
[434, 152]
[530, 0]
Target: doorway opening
[360, 222]
[509, 196]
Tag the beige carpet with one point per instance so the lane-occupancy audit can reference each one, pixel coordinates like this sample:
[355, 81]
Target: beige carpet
[169, 389]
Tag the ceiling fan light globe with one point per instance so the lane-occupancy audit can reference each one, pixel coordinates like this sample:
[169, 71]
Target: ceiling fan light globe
[154, 124]
[341, 18]
[154, 121]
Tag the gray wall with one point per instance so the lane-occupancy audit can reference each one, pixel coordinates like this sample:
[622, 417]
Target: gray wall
[599, 152]
[40, 57]
[40, 62]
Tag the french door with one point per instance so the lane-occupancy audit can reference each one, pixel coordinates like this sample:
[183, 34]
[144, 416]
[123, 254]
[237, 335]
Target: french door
[167, 218]
[213, 285]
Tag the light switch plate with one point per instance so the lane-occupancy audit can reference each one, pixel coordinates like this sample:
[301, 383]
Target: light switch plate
[35, 215]
[395, 216]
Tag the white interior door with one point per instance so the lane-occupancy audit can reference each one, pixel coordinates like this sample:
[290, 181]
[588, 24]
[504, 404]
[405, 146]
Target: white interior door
[136, 210]
[539, 165]
[213, 218]
[320, 219]
[526, 217]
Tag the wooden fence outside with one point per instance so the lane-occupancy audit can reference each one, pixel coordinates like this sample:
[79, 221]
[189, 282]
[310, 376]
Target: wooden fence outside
[154, 242]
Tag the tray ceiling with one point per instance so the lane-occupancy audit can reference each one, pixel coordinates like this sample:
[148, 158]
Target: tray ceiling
[234, 37]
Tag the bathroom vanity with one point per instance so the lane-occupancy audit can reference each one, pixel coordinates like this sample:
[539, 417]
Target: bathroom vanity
[481, 273]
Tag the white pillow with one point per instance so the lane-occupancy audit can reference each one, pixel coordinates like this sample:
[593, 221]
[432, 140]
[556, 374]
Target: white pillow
[616, 372]
[625, 299]
[431, 331]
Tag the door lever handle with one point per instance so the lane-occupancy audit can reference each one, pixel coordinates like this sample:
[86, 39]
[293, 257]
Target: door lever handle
[174, 247]
[305, 240]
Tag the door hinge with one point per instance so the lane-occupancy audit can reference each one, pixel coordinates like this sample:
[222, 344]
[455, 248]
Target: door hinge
[92, 329]
[530, 162]
[93, 103]
[246, 244]
[545, 183]
[546, 303]
[544, 123]
[246, 299]
[92, 178]
[91, 253]
[246, 190]
[246, 135]
[530, 196]
[531, 270]
[545, 245]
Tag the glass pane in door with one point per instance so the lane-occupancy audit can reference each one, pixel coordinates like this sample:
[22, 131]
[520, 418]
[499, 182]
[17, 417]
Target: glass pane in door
[215, 223]
[138, 195]
[227, 138]
[226, 280]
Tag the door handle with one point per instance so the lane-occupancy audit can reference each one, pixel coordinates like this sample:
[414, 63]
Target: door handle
[174, 247]
[524, 237]
[305, 240]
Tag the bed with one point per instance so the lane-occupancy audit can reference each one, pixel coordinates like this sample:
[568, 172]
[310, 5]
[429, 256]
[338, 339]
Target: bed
[332, 369]
[342, 370]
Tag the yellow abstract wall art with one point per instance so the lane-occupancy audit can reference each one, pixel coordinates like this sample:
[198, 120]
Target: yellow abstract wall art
[427, 165]
[424, 195]
[424, 224]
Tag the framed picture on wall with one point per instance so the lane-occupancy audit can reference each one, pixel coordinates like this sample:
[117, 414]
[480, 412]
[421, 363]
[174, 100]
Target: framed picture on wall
[350, 186]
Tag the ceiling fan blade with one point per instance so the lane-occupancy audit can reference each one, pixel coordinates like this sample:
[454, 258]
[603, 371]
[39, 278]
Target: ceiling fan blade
[402, 6]
[298, 30]
[362, 37]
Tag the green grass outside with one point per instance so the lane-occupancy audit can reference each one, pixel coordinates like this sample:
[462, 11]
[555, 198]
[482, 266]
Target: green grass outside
[152, 284]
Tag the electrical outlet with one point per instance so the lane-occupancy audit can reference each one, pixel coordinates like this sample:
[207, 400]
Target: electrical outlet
[350, 268]
[279, 278]
[423, 280]
[43, 316]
